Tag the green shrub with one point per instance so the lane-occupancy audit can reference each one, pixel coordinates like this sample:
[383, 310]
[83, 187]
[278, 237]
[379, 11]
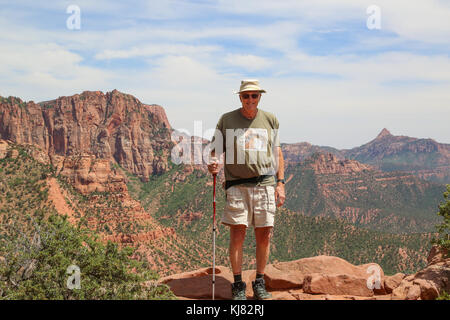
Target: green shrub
[444, 228]
[36, 260]
[444, 296]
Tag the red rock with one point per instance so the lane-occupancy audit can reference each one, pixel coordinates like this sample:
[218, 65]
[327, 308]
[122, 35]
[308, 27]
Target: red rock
[319, 278]
[413, 292]
[279, 277]
[428, 289]
[317, 275]
[437, 254]
[426, 284]
[3, 149]
[329, 164]
[296, 270]
[198, 284]
[89, 174]
[340, 284]
[159, 114]
[392, 282]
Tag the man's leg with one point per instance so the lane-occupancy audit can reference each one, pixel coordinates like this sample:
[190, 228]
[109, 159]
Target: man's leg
[237, 237]
[262, 236]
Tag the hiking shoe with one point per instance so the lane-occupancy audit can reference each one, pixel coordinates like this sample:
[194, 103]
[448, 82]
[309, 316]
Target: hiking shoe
[259, 289]
[238, 290]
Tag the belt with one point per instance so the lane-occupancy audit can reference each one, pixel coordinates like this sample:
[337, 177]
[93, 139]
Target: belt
[230, 183]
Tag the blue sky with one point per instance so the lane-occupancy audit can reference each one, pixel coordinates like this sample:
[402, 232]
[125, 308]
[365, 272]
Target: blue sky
[329, 79]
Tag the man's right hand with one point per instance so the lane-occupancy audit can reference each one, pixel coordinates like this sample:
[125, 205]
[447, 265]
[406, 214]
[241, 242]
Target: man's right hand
[214, 166]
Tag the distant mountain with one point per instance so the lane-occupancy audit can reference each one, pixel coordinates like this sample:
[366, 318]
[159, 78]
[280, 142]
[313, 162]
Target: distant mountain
[424, 158]
[323, 185]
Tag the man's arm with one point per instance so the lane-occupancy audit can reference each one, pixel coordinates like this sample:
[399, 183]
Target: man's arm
[280, 172]
[280, 190]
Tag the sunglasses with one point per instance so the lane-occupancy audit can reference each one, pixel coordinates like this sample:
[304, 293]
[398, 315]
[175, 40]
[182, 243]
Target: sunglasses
[245, 96]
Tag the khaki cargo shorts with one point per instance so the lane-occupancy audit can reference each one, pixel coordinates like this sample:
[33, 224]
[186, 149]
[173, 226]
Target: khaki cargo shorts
[250, 206]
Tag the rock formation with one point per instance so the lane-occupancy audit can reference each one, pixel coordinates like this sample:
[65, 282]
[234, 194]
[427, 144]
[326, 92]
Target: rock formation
[3, 149]
[428, 283]
[91, 139]
[329, 164]
[321, 278]
[82, 134]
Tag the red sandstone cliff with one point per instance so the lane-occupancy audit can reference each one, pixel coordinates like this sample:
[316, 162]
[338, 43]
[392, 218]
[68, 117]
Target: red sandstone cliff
[90, 130]
[89, 138]
[329, 164]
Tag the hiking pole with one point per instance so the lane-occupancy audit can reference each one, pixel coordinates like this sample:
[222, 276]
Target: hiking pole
[214, 238]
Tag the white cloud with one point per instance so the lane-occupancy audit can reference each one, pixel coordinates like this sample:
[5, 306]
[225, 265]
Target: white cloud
[422, 20]
[38, 58]
[154, 50]
[249, 62]
[346, 114]
[381, 68]
[183, 71]
[44, 71]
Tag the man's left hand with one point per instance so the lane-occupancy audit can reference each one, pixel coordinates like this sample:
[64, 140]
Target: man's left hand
[280, 194]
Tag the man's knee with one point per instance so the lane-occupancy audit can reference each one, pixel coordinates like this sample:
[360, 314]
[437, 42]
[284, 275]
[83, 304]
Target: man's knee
[237, 233]
[263, 235]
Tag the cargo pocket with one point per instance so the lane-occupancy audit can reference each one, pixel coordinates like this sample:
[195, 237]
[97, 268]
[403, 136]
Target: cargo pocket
[260, 200]
[271, 205]
[235, 201]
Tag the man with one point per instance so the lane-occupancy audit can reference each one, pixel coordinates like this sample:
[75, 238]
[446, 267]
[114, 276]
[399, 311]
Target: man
[254, 181]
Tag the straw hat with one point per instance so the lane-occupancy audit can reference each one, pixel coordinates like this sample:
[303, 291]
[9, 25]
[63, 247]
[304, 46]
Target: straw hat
[250, 85]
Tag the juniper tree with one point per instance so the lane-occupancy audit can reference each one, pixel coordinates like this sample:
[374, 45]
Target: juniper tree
[34, 263]
[444, 228]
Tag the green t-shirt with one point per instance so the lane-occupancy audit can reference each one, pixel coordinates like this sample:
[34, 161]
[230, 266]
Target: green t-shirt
[250, 145]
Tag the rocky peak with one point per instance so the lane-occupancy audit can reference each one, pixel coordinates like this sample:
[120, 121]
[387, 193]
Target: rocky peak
[384, 133]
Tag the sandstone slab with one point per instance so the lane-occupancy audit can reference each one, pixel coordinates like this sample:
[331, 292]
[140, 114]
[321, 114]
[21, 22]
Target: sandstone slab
[198, 284]
[336, 284]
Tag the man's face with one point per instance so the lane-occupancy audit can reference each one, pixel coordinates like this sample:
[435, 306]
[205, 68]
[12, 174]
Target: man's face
[250, 100]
